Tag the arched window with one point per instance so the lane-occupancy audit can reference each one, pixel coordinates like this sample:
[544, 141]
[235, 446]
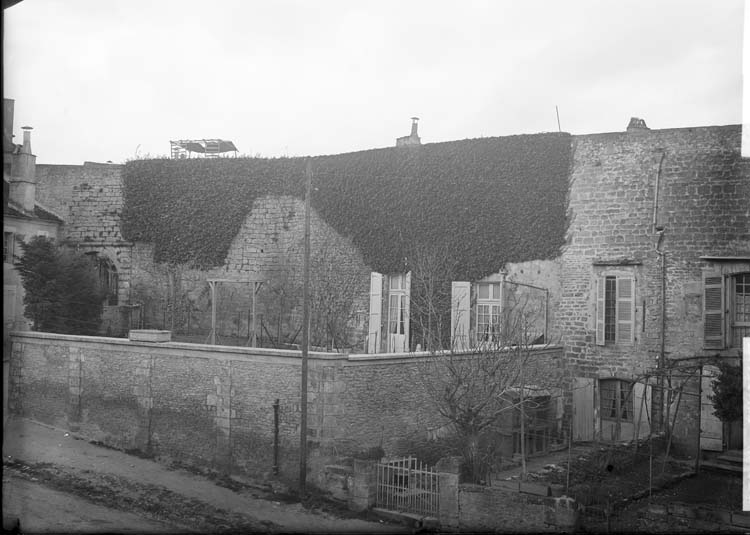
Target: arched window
[108, 280]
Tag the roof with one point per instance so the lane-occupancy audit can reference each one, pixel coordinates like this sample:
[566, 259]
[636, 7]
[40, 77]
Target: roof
[39, 213]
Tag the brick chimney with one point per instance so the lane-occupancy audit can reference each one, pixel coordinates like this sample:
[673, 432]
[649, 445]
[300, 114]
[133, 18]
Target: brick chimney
[23, 175]
[637, 124]
[412, 139]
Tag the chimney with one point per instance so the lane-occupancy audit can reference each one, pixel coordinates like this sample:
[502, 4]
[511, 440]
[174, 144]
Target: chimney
[26, 148]
[23, 175]
[412, 139]
[637, 124]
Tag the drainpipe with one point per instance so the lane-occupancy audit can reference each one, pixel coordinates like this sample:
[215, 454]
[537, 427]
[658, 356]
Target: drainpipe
[658, 230]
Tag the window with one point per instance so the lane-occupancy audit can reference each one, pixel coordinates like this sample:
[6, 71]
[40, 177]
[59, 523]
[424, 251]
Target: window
[740, 306]
[615, 310]
[616, 398]
[397, 305]
[726, 309]
[108, 280]
[489, 307]
[8, 247]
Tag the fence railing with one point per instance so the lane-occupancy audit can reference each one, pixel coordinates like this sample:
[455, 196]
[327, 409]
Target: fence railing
[407, 485]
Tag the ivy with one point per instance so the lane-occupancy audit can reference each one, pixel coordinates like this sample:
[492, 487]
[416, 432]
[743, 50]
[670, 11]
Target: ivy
[488, 201]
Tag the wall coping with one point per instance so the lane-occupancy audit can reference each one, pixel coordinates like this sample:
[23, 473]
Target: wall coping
[241, 353]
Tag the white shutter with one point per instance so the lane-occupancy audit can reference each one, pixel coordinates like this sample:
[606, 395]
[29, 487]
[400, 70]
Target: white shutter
[376, 303]
[407, 315]
[600, 284]
[460, 314]
[625, 310]
[583, 408]
[713, 310]
[642, 409]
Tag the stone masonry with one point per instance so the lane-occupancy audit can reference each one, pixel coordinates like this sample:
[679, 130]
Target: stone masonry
[613, 209]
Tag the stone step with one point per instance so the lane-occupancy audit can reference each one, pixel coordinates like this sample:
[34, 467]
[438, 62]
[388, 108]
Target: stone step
[731, 456]
[715, 465]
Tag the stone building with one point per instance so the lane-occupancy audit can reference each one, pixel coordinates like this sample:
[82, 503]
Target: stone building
[655, 276]
[632, 247]
[24, 216]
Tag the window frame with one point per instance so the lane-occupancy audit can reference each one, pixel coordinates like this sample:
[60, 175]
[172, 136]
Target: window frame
[617, 330]
[397, 322]
[9, 247]
[720, 308]
[493, 305]
[621, 399]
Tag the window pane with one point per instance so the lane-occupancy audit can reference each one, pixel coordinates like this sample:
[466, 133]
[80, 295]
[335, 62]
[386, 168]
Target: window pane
[396, 282]
[483, 291]
[610, 306]
[496, 290]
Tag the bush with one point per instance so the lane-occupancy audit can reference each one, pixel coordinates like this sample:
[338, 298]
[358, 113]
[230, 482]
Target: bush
[727, 397]
[62, 292]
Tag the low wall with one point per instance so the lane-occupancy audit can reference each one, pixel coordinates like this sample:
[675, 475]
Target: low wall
[213, 405]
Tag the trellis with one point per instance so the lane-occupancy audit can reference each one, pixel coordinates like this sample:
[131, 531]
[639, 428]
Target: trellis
[252, 339]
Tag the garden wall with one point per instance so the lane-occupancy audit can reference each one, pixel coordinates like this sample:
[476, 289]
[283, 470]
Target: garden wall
[213, 405]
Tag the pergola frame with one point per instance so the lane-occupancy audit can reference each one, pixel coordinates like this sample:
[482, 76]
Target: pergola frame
[252, 337]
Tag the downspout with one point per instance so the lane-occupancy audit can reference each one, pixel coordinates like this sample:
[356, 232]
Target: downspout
[658, 230]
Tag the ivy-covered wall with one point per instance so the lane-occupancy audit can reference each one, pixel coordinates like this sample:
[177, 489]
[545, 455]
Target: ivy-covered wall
[488, 201]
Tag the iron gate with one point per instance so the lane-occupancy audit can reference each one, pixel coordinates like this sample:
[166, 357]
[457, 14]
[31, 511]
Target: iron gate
[407, 485]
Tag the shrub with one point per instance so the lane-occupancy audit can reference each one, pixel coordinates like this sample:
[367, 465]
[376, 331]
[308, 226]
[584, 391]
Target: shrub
[62, 292]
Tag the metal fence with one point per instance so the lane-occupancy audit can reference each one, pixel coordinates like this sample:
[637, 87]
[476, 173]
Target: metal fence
[407, 485]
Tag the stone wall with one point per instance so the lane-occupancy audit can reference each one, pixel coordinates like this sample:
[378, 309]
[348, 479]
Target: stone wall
[212, 405]
[269, 249]
[704, 191]
[89, 198]
[486, 509]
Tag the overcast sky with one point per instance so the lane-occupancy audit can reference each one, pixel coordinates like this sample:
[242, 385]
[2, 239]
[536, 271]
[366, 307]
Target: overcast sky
[109, 80]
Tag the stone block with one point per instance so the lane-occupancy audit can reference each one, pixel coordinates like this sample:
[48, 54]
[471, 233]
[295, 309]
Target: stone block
[538, 489]
[149, 335]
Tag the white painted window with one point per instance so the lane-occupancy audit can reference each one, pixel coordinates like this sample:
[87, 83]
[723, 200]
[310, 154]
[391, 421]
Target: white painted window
[398, 312]
[489, 309]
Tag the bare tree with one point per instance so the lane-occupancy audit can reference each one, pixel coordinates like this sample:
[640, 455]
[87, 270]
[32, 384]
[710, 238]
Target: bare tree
[337, 286]
[489, 387]
[430, 299]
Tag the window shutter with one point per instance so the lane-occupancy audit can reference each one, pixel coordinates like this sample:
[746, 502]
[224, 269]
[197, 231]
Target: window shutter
[600, 311]
[376, 301]
[713, 310]
[460, 314]
[583, 408]
[625, 313]
[407, 315]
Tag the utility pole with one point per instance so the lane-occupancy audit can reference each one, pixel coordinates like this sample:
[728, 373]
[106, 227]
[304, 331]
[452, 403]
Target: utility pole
[305, 334]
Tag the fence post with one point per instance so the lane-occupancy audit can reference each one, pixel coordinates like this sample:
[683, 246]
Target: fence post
[276, 437]
[448, 511]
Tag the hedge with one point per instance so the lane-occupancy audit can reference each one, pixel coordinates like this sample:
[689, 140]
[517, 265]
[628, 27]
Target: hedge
[489, 200]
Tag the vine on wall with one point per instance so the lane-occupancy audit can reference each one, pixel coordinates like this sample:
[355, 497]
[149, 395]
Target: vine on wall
[488, 200]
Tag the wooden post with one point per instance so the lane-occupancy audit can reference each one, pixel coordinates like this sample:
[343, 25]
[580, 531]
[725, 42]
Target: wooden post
[276, 437]
[212, 340]
[305, 335]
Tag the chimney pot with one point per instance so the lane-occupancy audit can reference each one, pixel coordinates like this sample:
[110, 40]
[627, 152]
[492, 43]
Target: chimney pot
[26, 139]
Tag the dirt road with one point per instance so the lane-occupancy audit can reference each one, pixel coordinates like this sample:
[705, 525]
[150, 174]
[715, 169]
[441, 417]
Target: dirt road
[46, 465]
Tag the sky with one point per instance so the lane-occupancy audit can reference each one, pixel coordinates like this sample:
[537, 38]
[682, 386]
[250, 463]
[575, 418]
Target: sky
[116, 80]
